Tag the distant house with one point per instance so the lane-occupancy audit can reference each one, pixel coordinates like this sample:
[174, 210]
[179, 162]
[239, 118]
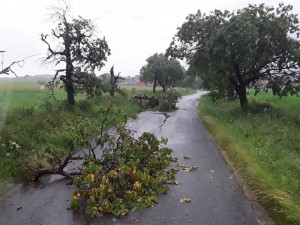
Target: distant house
[140, 84]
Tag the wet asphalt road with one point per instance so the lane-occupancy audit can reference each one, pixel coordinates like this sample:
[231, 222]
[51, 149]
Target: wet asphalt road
[215, 197]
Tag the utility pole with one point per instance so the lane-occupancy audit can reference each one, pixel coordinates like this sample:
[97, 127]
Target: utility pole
[2, 58]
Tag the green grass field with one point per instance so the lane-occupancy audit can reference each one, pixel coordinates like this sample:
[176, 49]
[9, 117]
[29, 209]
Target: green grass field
[22, 92]
[263, 144]
[16, 93]
[135, 90]
[290, 103]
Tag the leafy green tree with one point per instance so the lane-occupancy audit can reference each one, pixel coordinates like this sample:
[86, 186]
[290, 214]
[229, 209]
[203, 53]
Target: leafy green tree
[233, 50]
[161, 71]
[190, 81]
[78, 50]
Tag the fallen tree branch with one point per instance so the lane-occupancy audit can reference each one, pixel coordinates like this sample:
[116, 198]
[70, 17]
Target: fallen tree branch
[61, 166]
[59, 169]
[152, 101]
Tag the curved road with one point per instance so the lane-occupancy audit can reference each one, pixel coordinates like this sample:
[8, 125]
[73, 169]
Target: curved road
[215, 197]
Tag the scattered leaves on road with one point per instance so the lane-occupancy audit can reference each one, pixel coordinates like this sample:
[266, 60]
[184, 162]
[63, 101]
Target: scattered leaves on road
[185, 157]
[173, 182]
[189, 169]
[185, 200]
[180, 165]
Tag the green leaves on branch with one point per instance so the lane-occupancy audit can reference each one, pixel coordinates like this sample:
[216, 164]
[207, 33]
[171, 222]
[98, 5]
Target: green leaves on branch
[128, 176]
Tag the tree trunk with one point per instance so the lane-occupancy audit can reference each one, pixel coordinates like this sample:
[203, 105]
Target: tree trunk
[155, 80]
[239, 85]
[70, 93]
[69, 85]
[164, 88]
[69, 71]
[112, 82]
[242, 95]
[154, 85]
[112, 86]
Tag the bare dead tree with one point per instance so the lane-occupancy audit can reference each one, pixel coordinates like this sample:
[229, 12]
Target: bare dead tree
[76, 48]
[113, 81]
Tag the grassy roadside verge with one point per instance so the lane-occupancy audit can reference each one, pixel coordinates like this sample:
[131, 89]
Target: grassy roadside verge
[263, 144]
[33, 138]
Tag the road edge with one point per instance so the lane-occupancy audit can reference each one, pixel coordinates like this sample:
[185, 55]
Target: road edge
[260, 213]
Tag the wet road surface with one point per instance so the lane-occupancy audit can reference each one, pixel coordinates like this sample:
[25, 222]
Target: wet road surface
[215, 197]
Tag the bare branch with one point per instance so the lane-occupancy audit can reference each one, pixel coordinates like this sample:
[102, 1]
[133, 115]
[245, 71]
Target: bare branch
[61, 166]
[56, 35]
[44, 37]
[20, 63]
[51, 83]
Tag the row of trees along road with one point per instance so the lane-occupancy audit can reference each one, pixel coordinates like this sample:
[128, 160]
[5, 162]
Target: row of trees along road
[78, 50]
[233, 50]
[162, 71]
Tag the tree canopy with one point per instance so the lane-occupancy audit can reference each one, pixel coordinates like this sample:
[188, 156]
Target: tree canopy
[161, 71]
[189, 81]
[233, 50]
[79, 50]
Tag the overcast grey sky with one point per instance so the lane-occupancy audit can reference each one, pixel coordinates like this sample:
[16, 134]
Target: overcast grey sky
[134, 29]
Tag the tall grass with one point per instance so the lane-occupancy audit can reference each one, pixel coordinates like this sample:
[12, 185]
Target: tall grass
[263, 143]
[42, 136]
